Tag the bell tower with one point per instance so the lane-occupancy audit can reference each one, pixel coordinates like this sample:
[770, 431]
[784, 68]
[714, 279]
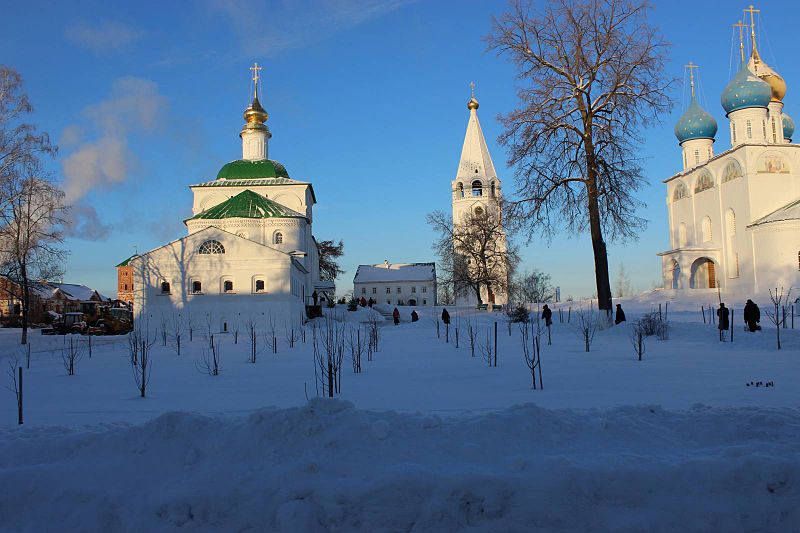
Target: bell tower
[255, 134]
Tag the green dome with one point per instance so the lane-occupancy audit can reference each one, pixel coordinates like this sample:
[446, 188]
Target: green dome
[242, 169]
[247, 204]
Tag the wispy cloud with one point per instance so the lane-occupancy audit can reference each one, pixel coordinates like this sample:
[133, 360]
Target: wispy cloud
[102, 37]
[135, 105]
[267, 29]
[84, 223]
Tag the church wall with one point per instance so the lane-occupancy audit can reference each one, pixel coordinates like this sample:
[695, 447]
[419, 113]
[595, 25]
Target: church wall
[179, 264]
[777, 246]
[296, 197]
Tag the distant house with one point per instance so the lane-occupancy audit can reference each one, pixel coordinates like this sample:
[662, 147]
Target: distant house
[69, 297]
[397, 284]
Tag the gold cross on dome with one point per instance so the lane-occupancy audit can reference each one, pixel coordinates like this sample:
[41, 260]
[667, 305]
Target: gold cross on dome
[255, 69]
[741, 27]
[752, 22]
[692, 67]
[472, 88]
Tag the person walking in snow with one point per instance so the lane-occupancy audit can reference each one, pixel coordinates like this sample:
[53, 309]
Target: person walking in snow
[620, 318]
[315, 296]
[371, 302]
[752, 316]
[445, 316]
[723, 317]
[547, 316]
[396, 316]
[363, 302]
[414, 316]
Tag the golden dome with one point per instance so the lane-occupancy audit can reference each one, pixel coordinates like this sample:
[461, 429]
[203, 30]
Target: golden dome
[472, 104]
[766, 73]
[255, 113]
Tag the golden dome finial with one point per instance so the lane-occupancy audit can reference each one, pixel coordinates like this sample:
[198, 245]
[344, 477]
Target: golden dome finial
[255, 114]
[472, 103]
[760, 68]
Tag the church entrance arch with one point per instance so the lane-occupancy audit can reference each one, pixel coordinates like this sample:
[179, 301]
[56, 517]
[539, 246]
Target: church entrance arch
[703, 274]
[412, 301]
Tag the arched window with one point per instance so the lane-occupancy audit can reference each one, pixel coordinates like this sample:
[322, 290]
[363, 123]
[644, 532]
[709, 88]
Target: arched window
[764, 128]
[197, 287]
[460, 190]
[278, 237]
[259, 286]
[165, 287]
[749, 129]
[478, 211]
[732, 171]
[227, 285]
[704, 182]
[211, 247]
[774, 131]
[733, 130]
[706, 229]
[494, 192]
[697, 157]
[731, 253]
[680, 193]
[477, 188]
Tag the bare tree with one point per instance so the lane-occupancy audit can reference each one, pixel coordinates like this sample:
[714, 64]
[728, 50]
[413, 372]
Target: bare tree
[472, 334]
[209, 359]
[328, 348]
[475, 254]
[622, 287]
[251, 325]
[30, 235]
[778, 297]
[588, 321]
[533, 286]
[270, 335]
[15, 373]
[71, 354]
[638, 337]
[292, 333]
[357, 343]
[532, 350]
[175, 332]
[487, 349]
[143, 371]
[592, 77]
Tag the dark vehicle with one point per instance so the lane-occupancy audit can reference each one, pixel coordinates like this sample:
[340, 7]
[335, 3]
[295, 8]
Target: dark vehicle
[68, 323]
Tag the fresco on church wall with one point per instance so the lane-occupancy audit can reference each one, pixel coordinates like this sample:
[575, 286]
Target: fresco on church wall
[772, 164]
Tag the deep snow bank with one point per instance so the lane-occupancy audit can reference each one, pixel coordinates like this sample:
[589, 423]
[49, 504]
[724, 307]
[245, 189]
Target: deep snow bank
[330, 467]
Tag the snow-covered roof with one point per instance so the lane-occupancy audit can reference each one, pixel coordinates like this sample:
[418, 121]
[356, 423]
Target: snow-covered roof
[790, 211]
[395, 272]
[72, 291]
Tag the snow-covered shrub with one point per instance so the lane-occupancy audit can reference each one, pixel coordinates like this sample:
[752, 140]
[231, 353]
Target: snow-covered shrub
[518, 313]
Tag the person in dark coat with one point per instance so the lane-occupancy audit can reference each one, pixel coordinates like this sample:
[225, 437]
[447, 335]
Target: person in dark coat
[547, 316]
[620, 318]
[723, 317]
[752, 316]
[396, 316]
[363, 302]
[414, 316]
[445, 316]
[371, 302]
[315, 296]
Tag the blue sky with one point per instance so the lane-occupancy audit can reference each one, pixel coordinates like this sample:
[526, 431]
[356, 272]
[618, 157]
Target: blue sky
[367, 100]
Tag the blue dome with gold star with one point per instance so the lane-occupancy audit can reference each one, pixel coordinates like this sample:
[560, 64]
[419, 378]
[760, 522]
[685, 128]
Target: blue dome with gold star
[696, 123]
[745, 90]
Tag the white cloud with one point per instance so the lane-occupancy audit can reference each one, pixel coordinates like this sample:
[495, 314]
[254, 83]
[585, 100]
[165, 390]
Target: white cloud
[134, 105]
[102, 37]
[84, 223]
[269, 28]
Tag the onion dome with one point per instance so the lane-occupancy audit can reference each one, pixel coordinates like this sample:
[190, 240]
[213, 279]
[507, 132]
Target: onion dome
[745, 90]
[695, 123]
[776, 83]
[242, 169]
[472, 104]
[788, 127]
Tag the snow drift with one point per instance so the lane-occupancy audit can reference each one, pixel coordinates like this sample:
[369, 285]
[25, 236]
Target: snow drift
[328, 466]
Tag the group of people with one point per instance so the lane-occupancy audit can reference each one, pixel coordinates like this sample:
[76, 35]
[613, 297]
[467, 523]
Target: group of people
[415, 316]
[751, 314]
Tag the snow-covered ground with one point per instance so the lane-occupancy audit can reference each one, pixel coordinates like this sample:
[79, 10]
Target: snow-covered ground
[427, 438]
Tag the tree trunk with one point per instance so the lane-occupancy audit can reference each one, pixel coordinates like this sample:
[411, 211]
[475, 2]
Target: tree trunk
[602, 281]
[25, 302]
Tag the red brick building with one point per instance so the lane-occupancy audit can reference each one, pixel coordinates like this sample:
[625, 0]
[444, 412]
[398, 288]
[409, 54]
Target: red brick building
[125, 281]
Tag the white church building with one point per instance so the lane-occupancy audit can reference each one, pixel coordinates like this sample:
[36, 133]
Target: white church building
[476, 189]
[734, 217]
[249, 250]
